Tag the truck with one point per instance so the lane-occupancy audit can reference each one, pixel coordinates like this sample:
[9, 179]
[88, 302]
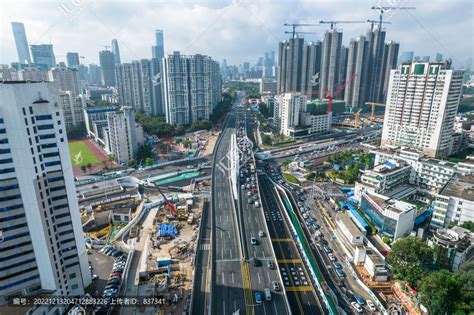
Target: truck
[252, 168]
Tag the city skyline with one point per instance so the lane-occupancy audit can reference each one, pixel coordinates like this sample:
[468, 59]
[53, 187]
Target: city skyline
[216, 24]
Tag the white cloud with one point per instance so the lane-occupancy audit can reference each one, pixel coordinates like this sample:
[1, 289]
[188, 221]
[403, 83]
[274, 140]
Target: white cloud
[237, 30]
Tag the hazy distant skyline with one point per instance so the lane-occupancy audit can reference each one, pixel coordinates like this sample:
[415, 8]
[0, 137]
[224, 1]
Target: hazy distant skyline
[237, 30]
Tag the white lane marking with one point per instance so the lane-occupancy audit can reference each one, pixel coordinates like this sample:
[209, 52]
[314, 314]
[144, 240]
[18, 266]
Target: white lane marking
[232, 278]
[223, 278]
[274, 306]
[220, 219]
[230, 256]
[258, 275]
[256, 220]
[223, 306]
[227, 218]
[268, 275]
[222, 253]
[254, 254]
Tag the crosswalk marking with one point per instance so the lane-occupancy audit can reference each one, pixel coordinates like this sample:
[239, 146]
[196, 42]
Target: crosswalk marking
[205, 247]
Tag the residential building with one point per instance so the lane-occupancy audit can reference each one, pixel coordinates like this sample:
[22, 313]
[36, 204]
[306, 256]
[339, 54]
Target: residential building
[290, 61]
[107, 67]
[42, 243]
[389, 62]
[421, 107]
[116, 51]
[291, 104]
[43, 56]
[393, 218]
[66, 79]
[294, 118]
[455, 202]
[311, 70]
[158, 50]
[137, 86]
[383, 179]
[95, 74]
[191, 87]
[72, 105]
[376, 45]
[331, 52]
[456, 243]
[355, 93]
[268, 86]
[72, 59]
[96, 120]
[21, 43]
[121, 134]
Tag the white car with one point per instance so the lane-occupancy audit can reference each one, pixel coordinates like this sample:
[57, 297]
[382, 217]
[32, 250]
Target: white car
[371, 306]
[357, 307]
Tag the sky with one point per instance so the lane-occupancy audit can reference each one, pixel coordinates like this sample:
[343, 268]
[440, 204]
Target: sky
[237, 30]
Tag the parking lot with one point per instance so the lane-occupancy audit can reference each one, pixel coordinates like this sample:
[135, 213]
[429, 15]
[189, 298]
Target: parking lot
[101, 266]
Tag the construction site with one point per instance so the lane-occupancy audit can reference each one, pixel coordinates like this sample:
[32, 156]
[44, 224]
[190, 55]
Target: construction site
[168, 241]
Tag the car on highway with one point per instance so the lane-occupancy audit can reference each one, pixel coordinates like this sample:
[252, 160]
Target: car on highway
[256, 261]
[276, 286]
[337, 265]
[256, 204]
[327, 249]
[253, 241]
[371, 306]
[315, 226]
[268, 294]
[258, 298]
[104, 248]
[359, 299]
[357, 307]
[331, 256]
[340, 273]
[270, 264]
[261, 233]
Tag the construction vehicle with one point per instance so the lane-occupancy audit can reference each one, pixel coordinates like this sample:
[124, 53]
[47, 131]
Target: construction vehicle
[167, 202]
[334, 23]
[330, 96]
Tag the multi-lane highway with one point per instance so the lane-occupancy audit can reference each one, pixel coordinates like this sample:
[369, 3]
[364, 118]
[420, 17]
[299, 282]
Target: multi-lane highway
[299, 291]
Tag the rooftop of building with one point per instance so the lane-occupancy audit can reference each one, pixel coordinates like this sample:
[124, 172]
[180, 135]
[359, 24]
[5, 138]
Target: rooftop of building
[350, 226]
[388, 167]
[390, 204]
[20, 82]
[461, 187]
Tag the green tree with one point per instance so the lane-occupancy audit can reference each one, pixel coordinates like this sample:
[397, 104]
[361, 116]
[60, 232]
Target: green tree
[469, 225]
[410, 259]
[310, 176]
[285, 163]
[88, 165]
[264, 110]
[148, 162]
[83, 168]
[266, 139]
[132, 163]
[143, 152]
[439, 291]
[77, 132]
[465, 305]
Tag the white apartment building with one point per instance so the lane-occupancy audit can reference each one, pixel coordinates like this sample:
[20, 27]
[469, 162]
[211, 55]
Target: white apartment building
[454, 203]
[42, 247]
[73, 108]
[291, 115]
[383, 178]
[123, 136]
[421, 107]
[291, 104]
[96, 120]
[191, 87]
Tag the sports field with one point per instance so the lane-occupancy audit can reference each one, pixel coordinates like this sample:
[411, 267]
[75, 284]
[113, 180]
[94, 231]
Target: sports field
[81, 154]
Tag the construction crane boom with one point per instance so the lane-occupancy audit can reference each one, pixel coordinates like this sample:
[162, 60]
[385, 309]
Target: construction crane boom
[330, 96]
[372, 23]
[333, 23]
[295, 25]
[373, 107]
[168, 203]
[382, 10]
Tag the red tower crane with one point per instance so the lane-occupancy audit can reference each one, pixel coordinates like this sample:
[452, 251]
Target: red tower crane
[168, 203]
[330, 96]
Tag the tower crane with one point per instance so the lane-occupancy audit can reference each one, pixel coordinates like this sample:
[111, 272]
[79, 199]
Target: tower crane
[372, 22]
[295, 25]
[373, 107]
[334, 23]
[296, 33]
[382, 10]
[329, 96]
